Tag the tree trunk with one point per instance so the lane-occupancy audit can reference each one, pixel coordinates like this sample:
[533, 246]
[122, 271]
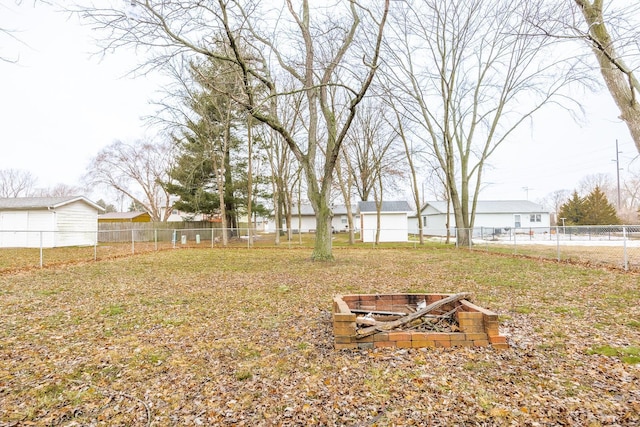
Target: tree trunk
[249, 181]
[322, 250]
[277, 214]
[345, 188]
[619, 78]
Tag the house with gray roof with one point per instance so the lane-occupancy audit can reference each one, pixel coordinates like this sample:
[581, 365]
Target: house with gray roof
[305, 220]
[33, 222]
[491, 215]
[393, 221]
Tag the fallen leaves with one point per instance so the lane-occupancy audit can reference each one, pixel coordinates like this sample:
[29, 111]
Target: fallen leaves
[241, 337]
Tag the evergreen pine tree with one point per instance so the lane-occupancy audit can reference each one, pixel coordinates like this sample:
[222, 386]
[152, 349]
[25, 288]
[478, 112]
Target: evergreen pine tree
[598, 210]
[573, 210]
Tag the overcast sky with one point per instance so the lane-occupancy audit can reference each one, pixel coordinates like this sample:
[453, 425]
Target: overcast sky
[60, 106]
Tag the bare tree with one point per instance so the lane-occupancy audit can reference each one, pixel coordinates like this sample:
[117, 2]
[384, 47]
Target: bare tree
[58, 190]
[7, 33]
[469, 73]
[16, 183]
[285, 172]
[137, 170]
[630, 197]
[374, 163]
[414, 163]
[605, 184]
[369, 145]
[554, 201]
[601, 180]
[613, 40]
[315, 47]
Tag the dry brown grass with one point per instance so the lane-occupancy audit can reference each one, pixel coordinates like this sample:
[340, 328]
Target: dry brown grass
[237, 337]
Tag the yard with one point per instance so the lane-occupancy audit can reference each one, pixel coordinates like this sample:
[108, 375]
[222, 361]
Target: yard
[243, 337]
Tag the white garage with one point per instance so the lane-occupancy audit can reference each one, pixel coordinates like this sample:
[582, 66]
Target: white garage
[393, 221]
[33, 222]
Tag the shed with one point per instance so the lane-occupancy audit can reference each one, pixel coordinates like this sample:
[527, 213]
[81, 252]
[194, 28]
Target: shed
[33, 222]
[393, 221]
[124, 217]
[306, 219]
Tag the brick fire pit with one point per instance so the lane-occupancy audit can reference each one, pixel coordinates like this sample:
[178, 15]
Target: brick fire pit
[359, 322]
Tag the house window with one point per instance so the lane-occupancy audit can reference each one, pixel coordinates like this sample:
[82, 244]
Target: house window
[516, 220]
[535, 218]
[344, 219]
[424, 221]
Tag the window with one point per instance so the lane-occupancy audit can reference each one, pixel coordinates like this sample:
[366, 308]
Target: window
[344, 219]
[516, 220]
[424, 220]
[535, 218]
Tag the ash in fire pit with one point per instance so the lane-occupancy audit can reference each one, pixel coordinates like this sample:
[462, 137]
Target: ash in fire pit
[413, 320]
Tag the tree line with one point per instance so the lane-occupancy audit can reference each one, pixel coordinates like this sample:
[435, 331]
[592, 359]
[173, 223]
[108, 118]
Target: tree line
[280, 103]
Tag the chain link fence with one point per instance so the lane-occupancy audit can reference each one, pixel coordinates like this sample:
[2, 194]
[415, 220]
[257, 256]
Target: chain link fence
[612, 246]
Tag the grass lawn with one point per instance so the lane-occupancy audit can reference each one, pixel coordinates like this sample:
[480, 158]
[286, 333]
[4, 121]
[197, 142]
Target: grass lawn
[243, 337]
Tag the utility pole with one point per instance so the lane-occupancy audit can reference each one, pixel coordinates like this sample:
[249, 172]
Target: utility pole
[617, 160]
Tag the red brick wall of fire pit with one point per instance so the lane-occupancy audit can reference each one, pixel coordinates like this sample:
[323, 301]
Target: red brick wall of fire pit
[477, 326]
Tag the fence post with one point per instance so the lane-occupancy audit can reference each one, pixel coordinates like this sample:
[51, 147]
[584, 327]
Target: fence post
[515, 249]
[155, 238]
[624, 239]
[41, 254]
[133, 248]
[558, 241]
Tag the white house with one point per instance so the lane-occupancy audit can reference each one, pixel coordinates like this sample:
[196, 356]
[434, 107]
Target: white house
[33, 222]
[393, 221]
[491, 215]
[305, 221]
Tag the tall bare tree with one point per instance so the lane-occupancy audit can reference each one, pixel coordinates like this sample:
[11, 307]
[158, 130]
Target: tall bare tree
[16, 183]
[285, 171]
[374, 161]
[613, 40]
[137, 170]
[324, 47]
[470, 72]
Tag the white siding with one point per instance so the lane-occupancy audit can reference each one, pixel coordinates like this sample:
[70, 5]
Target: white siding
[308, 223]
[12, 226]
[436, 223]
[76, 225]
[340, 222]
[393, 227]
[25, 229]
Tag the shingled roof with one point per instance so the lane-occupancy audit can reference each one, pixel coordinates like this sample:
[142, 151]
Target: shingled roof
[391, 206]
[35, 203]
